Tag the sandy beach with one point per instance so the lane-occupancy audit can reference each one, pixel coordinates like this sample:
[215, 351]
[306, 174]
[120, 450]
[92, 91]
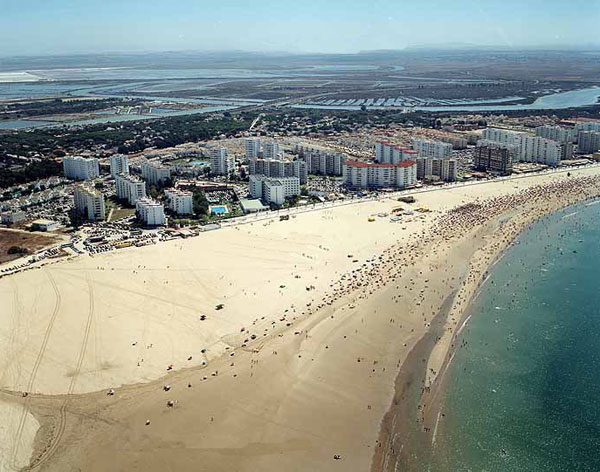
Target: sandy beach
[299, 369]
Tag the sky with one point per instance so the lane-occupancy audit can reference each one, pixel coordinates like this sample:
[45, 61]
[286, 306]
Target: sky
[39, 27]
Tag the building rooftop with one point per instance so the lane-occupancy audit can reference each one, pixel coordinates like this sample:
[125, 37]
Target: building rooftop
[407, 163]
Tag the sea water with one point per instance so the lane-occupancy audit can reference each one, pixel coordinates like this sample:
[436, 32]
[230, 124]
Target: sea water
[523, 393]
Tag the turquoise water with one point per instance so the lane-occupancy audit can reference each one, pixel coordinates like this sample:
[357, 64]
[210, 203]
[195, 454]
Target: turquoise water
[524, 391]
[218, 210]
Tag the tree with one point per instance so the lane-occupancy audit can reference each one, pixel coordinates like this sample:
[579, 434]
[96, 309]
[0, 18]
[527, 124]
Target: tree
[200, 203]
[75, 218]
[17, 250]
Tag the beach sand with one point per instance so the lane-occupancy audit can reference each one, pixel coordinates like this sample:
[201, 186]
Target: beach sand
[299, 366]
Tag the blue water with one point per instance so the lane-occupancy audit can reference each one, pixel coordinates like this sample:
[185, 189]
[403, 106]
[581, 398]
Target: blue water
[22, 124]
[524, 391]
[571, 99]
[218, 210]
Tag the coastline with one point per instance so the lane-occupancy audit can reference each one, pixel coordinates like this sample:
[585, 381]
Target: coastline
[429, 411]
[304, 392]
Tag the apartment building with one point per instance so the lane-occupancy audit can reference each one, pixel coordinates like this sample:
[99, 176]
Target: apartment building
[130, 188]
[494, 157]
[80, 168]
[556, 133]
[270, 150]
[588, 141]
[427, 148]
[150, 212]
[279, 168]
[359, 174]
[388, 153]
[220, 162]
[180, 202]
[252, 147]
[89, 203]
[324, 163]
[587, 126]
[502, 136]
[273, 189]
[457, 142]
[154, 173]
[119, 164]
[531, 148]
[541, 150]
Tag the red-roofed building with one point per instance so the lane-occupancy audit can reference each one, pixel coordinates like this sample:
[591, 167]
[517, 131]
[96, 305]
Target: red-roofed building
[358, 174]
[391, 153]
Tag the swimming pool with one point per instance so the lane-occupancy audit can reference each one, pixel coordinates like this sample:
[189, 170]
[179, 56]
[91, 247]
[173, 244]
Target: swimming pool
[218, 210]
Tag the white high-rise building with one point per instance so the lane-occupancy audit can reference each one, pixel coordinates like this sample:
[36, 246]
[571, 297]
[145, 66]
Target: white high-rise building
[377, 175]
[427, 148]
[540, 150]
[220, 162]
[80, 168]
[130, 188]
[273, 189]
[279, 168]
[154, 173]
[90, 203]
[388, 153]
[252, 147]
[270, 150]
[180, 201]
[589, 141]
[324, 163]
[119, 164]
[502, 136]
[587, 126]
[150, 212]
[556, 133]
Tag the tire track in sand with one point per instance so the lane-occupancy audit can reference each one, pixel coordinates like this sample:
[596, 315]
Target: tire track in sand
[36, 366]
[62, 420]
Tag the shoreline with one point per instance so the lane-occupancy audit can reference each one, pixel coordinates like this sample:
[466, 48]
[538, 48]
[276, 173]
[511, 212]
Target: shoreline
[429, 412]
[321, 384]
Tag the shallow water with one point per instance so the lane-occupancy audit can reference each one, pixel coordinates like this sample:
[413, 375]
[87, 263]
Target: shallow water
[524, 392]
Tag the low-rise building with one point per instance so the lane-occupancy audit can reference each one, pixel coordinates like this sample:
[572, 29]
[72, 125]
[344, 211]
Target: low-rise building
[12, 217]
[130, 188]
[81, 168]
[150, 212]
[43, 224]
[180, 202]
[90, 203]
[359, 174]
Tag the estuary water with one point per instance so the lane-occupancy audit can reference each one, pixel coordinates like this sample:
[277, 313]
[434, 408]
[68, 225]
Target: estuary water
[523, 392]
